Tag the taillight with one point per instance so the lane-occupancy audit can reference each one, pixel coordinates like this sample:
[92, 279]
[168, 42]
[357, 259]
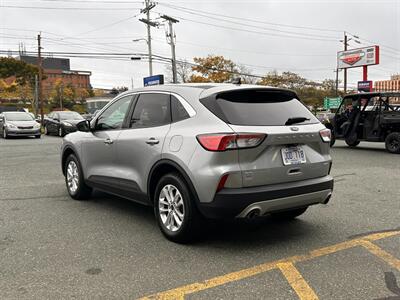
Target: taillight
[229, 141]
[325, 135]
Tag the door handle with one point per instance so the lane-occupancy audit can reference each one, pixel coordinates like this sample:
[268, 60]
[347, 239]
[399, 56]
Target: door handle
[152, 141]
[108, 141]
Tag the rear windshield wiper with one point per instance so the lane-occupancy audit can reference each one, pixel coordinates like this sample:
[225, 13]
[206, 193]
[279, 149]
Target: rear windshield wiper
[295, 120]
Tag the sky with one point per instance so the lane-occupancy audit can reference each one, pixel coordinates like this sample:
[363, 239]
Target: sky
[301, 36]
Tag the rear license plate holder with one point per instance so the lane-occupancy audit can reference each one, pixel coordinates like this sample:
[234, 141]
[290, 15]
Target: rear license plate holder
[293, 155]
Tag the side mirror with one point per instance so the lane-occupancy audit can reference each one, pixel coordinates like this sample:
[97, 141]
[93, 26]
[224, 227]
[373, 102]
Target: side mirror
[83, 126]
[56, 119]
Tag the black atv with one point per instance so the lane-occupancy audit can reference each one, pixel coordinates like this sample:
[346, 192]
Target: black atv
[370, 117]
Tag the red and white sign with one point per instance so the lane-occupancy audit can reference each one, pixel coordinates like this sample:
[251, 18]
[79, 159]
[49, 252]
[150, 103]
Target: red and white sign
[358, 57]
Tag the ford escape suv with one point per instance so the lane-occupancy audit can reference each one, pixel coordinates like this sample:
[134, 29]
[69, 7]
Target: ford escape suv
[203, 151]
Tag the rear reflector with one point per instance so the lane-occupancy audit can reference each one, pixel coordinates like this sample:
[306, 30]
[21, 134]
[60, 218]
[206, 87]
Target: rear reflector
[229, 141]
[222, 182]
[325, 135]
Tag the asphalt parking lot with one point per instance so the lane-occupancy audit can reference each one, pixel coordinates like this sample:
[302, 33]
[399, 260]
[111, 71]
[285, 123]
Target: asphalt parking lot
[52, 247]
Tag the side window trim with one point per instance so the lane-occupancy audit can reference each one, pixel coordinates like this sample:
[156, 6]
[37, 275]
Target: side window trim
[189, 109]
[129, 115]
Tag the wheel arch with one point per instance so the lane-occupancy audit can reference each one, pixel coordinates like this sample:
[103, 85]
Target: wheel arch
[68, 150]
[163, 167]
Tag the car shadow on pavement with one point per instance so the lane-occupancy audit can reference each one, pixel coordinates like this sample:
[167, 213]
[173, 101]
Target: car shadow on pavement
[234, 233]
[255, 232]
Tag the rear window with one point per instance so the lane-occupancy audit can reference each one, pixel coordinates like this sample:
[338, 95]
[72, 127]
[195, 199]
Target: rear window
[258, 108]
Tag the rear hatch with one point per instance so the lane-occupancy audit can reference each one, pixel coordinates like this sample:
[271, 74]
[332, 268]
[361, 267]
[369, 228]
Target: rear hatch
[292, 150]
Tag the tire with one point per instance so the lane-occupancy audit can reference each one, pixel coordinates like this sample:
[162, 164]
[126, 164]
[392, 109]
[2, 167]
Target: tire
[61, 132]
[290, 214]
[4, 133]
[392, 142]
[74, 181]
[333, 139]
[46, 131]
[169, 211]
[352, 140]
[38, 136]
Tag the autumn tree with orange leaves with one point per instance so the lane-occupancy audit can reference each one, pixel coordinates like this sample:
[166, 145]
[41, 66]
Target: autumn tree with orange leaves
[213, 69]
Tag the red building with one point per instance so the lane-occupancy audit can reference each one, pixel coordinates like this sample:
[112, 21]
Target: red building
[58, 69]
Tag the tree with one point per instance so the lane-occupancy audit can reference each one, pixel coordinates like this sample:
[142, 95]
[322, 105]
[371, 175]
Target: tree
[60, 93]
[183, 71]
[247, 79]
[329, 85]
[24, 73]
[271, 79]
[310, 92]
[117, 90]
[213, 69]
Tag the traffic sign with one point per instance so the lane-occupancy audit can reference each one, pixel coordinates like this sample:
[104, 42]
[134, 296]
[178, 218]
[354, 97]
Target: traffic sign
[332, 102]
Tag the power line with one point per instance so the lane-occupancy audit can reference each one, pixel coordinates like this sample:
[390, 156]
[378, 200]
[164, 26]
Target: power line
[69, 8]
[94, 2]
[108, 25]
[192, 12]
[256, 32]
[249, 20]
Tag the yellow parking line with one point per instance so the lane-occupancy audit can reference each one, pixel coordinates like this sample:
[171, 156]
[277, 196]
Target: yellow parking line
[180, 292]
[378, 251]
[297, 282]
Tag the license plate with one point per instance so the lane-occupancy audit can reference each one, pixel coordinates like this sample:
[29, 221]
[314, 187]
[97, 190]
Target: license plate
[293, 155]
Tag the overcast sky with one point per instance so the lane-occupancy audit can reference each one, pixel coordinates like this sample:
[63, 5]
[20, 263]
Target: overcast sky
[299, 36]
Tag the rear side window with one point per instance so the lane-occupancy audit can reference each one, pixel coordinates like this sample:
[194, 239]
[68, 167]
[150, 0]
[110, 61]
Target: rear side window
[258, 108]
[179, 113]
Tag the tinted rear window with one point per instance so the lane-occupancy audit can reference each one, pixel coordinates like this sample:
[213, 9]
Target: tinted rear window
[258, 108]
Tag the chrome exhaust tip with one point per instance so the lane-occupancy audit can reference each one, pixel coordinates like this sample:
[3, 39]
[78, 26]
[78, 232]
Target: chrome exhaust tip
[327, 199]
[255, 212]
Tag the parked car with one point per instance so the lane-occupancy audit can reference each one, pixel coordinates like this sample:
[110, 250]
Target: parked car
[18, 124]
[61, 122]
[371, 117]
[203, 151]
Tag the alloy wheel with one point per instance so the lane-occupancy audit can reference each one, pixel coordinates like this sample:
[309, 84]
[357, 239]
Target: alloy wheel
[394, 144]
[171, 208]
[72, 177]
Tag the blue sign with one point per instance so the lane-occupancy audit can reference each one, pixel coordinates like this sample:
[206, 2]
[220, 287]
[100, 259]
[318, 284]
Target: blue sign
[153, 80]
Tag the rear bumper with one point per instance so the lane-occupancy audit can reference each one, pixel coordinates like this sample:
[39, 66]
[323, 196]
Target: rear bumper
[230, 203]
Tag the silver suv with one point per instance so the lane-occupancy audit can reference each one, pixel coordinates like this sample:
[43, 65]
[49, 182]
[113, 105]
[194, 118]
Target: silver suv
[203, 151]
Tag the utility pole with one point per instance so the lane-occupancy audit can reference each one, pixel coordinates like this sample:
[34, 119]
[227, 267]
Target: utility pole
[337, 81]
[171, 40]
[345, 70]
[146, 10]
[40, 94]
[36, 95]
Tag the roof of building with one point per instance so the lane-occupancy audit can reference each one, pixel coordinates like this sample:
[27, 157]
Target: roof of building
[52, 63]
